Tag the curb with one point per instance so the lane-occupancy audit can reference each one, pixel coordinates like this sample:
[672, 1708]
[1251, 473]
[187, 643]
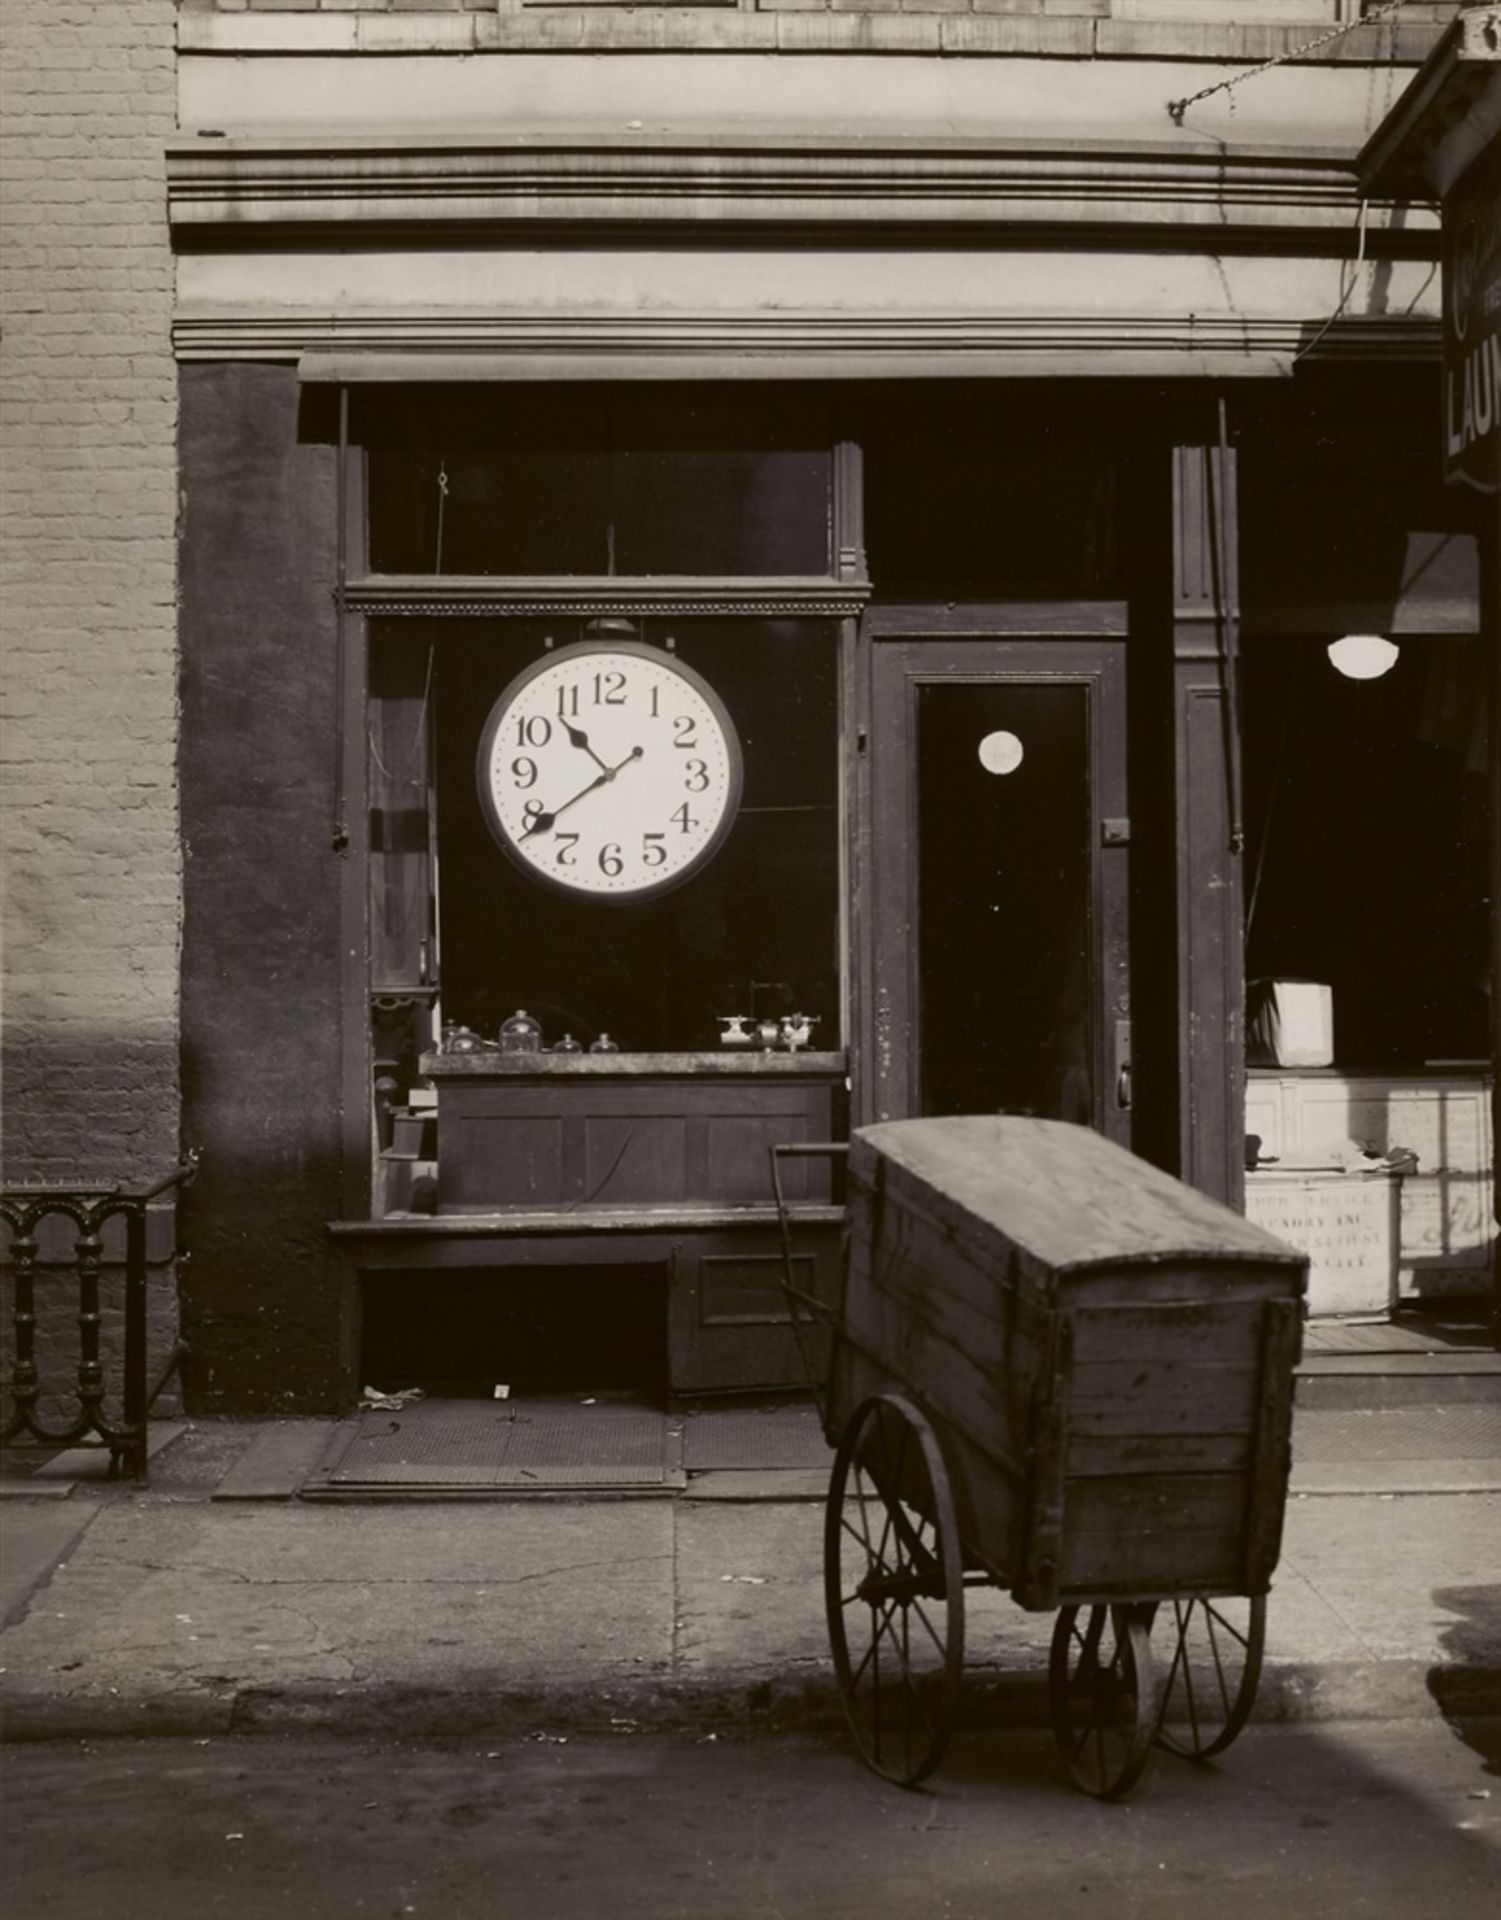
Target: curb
[1293, 1693]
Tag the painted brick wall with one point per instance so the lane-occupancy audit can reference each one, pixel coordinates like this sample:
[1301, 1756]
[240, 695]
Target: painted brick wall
[89, 859]
[88, 603]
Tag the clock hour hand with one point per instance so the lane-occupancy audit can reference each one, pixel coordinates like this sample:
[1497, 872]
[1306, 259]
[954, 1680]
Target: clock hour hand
[578, 738]
[541, 822]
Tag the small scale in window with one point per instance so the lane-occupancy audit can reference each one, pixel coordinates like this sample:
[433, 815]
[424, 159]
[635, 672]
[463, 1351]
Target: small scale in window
[797, 1030]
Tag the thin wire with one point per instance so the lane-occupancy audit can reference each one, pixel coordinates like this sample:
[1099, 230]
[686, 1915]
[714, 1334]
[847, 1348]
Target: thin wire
[442, 498]
[1178, 108]
[1350, 285]
[419, 732]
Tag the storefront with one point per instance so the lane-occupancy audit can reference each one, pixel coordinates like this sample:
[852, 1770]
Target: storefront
[872, 614]
[1442, 145]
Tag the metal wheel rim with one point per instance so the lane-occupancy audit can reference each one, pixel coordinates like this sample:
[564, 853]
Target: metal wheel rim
[1212, 1673]
[1101, 1696]
[894, 1590]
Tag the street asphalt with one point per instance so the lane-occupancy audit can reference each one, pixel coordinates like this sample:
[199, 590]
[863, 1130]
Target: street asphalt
[162, 1609]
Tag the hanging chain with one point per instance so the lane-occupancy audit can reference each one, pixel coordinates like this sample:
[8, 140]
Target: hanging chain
[1177, 108]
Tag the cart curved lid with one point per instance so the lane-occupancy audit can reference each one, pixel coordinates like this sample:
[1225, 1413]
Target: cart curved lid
[1063, 1194]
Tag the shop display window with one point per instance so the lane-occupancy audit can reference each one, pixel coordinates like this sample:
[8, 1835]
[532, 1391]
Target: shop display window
[754, 933]
[1368, 843]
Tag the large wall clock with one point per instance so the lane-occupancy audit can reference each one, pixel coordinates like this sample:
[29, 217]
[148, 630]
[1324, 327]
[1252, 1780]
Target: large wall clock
[609, 769]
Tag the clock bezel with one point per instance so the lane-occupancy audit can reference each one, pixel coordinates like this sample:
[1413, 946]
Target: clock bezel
[579, 650]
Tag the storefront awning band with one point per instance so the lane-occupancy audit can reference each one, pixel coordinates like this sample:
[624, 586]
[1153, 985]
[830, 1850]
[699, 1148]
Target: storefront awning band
[355, 368]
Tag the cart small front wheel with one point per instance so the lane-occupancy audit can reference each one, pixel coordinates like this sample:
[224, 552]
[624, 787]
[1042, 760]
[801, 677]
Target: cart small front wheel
[894, 1588]
[1214, 1668]
[1101, 1696]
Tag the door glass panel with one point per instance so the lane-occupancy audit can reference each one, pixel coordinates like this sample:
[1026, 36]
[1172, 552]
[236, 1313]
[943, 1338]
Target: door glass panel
[1004, 899]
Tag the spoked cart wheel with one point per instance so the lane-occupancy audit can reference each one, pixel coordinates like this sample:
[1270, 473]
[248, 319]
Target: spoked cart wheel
[1101, 1696]
[894, 1588]
[1214, 1667]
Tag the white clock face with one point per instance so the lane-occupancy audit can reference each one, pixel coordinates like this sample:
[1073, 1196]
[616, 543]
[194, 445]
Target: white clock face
[609, 770]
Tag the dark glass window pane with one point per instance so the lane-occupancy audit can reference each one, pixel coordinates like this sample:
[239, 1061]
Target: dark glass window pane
[1005, 899]
[622, 483]
[993, 499]
[756, 932]
[541, 511]
[691, 510]
[1368, 478]
[1368, 855]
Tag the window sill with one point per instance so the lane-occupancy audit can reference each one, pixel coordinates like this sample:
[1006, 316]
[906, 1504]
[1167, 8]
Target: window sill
[744, 1062]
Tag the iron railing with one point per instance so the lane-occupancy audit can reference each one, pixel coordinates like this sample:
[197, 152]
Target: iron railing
[23, 1209]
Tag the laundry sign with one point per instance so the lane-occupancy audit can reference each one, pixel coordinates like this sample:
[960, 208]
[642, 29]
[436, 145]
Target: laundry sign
[1472, 325]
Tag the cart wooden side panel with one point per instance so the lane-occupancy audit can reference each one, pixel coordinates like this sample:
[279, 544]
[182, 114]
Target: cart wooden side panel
[1176, 1457]
[1114, 1428]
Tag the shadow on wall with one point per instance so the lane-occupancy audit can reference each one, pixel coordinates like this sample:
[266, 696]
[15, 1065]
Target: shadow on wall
[263, 1295]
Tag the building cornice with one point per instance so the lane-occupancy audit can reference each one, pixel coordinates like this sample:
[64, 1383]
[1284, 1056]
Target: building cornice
[630, 30]
[251, 190]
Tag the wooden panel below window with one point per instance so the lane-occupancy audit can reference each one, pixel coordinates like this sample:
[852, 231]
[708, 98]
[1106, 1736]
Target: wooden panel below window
[730, 1323]
[580, 1139]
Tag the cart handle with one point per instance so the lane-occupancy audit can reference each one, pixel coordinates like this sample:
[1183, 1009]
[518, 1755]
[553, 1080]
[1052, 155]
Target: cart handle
[805, 1309]
[816, 1309]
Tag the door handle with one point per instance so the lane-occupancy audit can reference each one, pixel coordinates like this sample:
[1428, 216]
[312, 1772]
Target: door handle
[1123, 1064]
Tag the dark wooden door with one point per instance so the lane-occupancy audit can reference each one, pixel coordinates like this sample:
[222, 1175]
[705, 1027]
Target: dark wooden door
[997, 878]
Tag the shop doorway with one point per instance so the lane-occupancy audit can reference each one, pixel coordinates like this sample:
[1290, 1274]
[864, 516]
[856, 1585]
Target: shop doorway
[998, 877]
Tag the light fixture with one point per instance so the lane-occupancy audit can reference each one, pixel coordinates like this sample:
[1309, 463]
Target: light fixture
[1001, 752]
[1363, 656]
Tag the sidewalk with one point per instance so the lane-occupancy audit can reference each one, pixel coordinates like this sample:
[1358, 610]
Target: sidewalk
[166, 1610]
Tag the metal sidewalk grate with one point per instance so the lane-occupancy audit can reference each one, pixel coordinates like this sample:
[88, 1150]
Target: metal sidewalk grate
[1353, 1435]
[467, 1446]
[741, 1439]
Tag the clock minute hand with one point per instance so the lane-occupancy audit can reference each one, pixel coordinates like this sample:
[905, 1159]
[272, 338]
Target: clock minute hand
[541, 822]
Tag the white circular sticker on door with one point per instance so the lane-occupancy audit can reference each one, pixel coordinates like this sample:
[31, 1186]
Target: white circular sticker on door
[1000, 753]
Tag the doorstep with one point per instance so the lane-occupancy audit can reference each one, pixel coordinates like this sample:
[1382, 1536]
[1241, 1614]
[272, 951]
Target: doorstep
[1442, 1355]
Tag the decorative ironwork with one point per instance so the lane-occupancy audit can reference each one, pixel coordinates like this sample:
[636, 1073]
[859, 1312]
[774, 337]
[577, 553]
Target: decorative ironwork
[89, 1207]
[465, 596]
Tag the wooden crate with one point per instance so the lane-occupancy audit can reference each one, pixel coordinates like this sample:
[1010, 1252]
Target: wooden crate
[1106, 1354]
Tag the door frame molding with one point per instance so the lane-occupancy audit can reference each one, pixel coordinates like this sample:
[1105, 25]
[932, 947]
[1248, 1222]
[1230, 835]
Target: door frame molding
[1032, 631]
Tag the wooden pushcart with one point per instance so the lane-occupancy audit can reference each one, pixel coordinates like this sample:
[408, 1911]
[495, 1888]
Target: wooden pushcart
[1052, 1368]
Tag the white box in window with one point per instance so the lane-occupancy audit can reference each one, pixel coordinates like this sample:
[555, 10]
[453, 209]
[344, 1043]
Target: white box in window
[1290, 1024]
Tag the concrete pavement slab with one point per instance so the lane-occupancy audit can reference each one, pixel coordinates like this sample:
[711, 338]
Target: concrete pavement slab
[1383, 1565]
[35, 1539]
[174, 1612]
[191, 1611]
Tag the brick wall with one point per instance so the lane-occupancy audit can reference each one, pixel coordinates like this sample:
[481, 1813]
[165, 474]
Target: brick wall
[87, 593]
[89, 860]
